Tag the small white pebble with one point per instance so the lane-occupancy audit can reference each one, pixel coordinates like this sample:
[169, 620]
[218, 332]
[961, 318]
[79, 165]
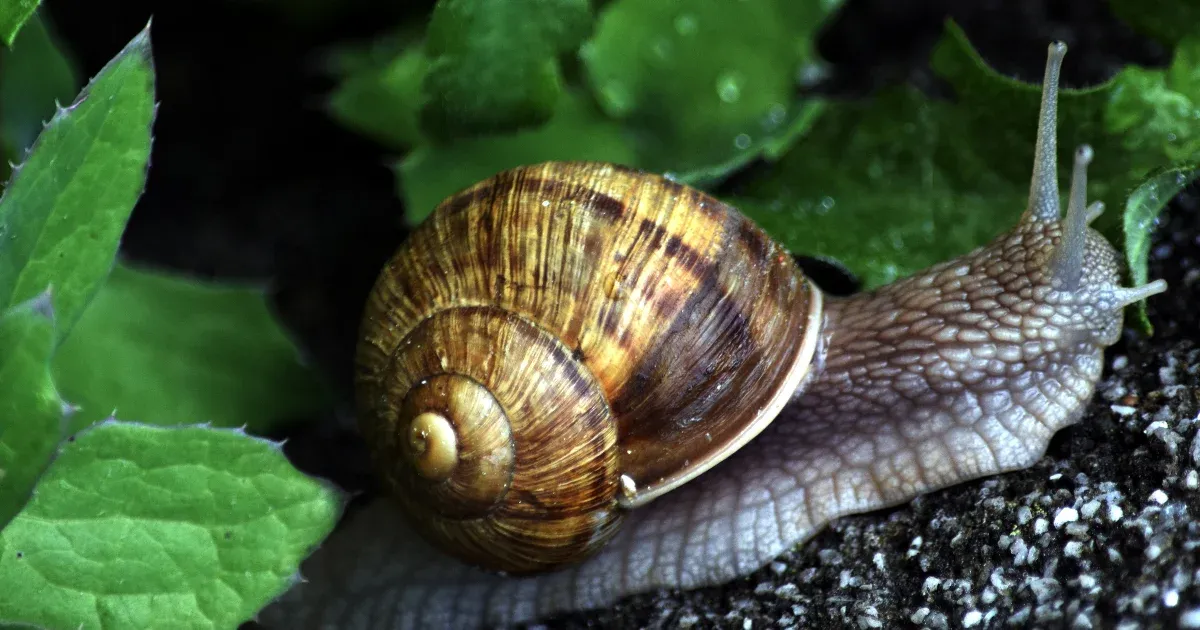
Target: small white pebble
[937, 621]
[931, 584]
[848, 579]
[997, 580]
[880, 561]
[1171, 598]
[1064, 516]
[1078, 530]
[1159, 497]
[914, 547]
[1157, 425]
[1090, 508]
[1087, 582]
[870, 620]
[1190, 619]
[1020, 552]
[1073, 549]
[1115, 513]
[1040, 526]
[972, 619]
[1191, 480]
[1120, 361]
[1043, 588]
[747, 624]
[1167, 374]
[1055, 477]
[1124, 410]
[788, 591]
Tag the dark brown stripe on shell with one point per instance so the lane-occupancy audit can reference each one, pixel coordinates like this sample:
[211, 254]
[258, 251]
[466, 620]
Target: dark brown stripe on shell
[467, 198]
[709, 299]
[754, 241]
[598, 203]
[579, 383]
[660, 363]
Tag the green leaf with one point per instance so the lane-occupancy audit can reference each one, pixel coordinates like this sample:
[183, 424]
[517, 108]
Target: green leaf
[162, 349]
[380, 99]
[1141, 211]
[493, 66]
[866, 187]
[31, 413]
[577, 132]
[1168, 21]
[63, 213]
[1131, 134]
[1156, 110]
[34, 76]
[891, 186]
[13, 14]
[706, 85]
[135, 526]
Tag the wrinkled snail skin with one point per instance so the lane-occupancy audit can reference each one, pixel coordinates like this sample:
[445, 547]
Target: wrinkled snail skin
[839, 405]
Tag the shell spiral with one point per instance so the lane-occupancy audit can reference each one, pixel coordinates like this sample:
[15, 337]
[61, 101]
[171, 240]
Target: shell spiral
[564, 341]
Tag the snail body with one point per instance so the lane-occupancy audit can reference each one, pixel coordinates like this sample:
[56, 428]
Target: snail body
[693, 405]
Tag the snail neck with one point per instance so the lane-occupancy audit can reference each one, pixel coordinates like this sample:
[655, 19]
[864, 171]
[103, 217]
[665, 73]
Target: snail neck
[963, 369]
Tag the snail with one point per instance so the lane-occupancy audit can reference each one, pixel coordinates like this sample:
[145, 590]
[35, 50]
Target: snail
[580, 381]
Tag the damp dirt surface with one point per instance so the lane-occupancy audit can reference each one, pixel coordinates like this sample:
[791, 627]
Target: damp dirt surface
[251, 181]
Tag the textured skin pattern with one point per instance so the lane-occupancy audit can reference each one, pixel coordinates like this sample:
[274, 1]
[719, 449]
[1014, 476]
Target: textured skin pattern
[959, 372]
[964, 370]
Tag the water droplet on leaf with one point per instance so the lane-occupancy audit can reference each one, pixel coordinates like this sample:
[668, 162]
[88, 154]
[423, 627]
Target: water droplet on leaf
[686, 24]
[729, 87]
[663, 49]
[775, 117]
[618, 97]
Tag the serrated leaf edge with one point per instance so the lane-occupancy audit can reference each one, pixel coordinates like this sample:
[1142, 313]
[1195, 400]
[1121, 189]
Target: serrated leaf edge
[60, 112]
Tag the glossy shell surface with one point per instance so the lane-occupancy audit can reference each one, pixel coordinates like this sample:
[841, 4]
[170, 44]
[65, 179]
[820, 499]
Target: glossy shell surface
[690, 328]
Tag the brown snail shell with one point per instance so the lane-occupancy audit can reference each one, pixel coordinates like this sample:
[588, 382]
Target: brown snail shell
[564, 341]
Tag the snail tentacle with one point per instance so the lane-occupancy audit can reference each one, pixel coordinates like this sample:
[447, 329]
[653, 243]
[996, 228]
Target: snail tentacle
[1069, 256]
[1043, 188]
